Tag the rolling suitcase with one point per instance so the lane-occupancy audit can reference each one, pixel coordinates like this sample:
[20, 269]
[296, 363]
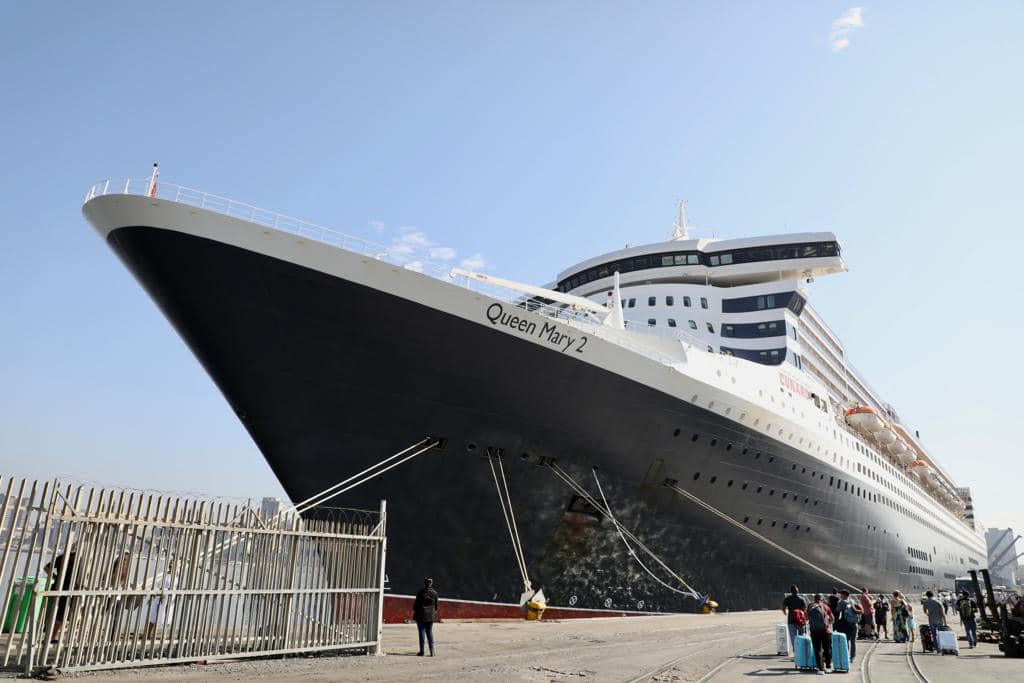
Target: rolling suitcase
[804, 655]
[947, 642]
[840, 653]
[926, 638]
[782, 639]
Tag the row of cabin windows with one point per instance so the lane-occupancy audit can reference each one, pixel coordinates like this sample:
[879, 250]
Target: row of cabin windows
[669, 301]
[672, 323]
[764, 302]
[771, 328]
[764, 356]
[695, 258]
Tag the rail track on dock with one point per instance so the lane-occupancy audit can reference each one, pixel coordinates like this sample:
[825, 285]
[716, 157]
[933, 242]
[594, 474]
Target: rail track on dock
[700, 649]
[908, 658]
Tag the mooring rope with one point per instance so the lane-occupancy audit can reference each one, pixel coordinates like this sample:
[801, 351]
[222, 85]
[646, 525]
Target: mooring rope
[718, 513]
[510, 519]
[629, 548]
[580, 491]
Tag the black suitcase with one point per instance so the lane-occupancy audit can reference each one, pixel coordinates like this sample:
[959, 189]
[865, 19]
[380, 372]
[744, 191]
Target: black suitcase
[927, 644]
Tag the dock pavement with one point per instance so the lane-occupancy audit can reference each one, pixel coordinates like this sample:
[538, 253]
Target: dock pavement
[720, 648]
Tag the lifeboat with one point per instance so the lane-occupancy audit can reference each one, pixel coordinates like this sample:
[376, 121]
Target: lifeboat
[885, 437]
[919, 468]
[934, 480]
[864, 419]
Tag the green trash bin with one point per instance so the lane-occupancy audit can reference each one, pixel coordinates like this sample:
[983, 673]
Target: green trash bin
[21, 604]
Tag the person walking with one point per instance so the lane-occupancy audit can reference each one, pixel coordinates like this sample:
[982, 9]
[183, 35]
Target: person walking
[900, 618]
[966, 607]
[847, 620]
[881, 609]
[936, 616]
[833, 601]
[425, 613]
[867, 619]
[819, 620]
[790, 605]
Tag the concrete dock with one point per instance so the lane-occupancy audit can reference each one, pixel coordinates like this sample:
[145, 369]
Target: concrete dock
[720, 648]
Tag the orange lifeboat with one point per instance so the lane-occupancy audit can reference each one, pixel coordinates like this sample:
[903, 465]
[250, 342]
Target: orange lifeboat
[864, 419]
[920, 469]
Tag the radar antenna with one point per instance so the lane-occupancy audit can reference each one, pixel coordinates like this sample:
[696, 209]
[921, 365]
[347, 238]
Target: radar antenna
[681, 232]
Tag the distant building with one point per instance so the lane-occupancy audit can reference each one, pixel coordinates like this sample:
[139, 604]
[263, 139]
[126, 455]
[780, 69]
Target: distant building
[1003, 562]
[270, 507]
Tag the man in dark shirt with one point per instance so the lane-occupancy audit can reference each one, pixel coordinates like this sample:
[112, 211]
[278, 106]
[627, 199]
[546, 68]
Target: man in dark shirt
[936, 616]
[792, 602]
[967, 608]
[882, 616]
[424, 612]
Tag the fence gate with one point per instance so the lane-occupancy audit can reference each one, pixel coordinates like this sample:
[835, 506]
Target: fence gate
[98, 578]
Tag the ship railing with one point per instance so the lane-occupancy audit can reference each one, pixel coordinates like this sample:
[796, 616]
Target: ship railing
[247, 212]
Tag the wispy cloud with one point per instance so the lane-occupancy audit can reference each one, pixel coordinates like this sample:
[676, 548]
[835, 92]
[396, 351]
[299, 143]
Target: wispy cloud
[474, 262]
[843, 28]
[414, 249]
[442, 253]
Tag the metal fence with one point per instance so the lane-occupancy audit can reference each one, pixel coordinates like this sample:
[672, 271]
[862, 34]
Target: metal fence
[97, 578]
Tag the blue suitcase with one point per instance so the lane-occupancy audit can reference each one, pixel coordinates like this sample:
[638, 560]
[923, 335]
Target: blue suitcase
[840, 653]
[803, 656]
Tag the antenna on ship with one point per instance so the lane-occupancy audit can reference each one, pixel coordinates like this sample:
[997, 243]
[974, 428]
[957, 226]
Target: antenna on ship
[680, 232]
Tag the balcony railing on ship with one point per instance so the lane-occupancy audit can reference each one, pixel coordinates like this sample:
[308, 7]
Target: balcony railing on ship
[272, 219]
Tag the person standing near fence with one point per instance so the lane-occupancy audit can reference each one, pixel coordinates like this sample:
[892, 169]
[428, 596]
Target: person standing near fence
[425, 613]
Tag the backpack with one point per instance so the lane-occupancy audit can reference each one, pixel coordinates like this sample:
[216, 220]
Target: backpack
[850, 616]
[799, 617]
[966, 609]
[816, 618]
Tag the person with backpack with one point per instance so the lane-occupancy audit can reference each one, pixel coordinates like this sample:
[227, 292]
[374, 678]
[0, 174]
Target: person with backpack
[881, 617]
[819, 621]
[966, 607]
[795, 609]
[848, 619]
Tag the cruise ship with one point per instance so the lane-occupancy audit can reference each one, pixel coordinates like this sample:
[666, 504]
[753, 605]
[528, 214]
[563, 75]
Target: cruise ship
[657, 425]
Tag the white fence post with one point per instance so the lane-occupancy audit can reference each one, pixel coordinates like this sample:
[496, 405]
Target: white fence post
[379, 648]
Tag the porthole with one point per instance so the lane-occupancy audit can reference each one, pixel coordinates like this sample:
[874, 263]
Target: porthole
[794, 466]
[759, 489]
[713, 479]
[470, 447]
[771, 458]
[695, 437]
[757, 455]
[786, 525]
[714, 442]
[760, 522]
[744, 487]
[694, 399]
[774, 523]
[675, 432]
[746, 519]
[808, 529]
[771, 492]
[728, 446]
[744, 451]
[784, 494]
[803, 470]
[711, 405]
[696, 476]
[797, 527]
[728, 484]
[524, 456]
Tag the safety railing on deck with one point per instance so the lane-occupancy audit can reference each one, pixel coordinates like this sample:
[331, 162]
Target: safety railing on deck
[278, 221]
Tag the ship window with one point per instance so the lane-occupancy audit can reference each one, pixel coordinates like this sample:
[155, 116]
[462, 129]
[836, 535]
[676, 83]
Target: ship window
[651, 300]
[692, 259]
[693, 325]
[711, 349]
[760, 521]
[759, 489]
[774, 523]
[714, 442]
[714, 260]
[632, 303]
[680, 259]
[746, 519]
[670, 300]
[694, 437]
[686, 301]
[728, 484]
[726, 259]
[703, 302]
[744, 487]
[727, 331]
[671, 322]
[640, 263]
[652, 322]
[666, 260]
[711, 328]
[696, 476]
[713, 480]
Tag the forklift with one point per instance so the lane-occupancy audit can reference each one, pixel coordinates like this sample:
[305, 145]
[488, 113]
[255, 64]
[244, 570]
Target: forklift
[1001, 627]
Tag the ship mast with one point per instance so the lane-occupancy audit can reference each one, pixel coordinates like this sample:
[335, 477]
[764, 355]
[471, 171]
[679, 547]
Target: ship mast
[680, 230]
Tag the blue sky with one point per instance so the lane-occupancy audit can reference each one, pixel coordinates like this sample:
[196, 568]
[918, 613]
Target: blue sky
[526, 136]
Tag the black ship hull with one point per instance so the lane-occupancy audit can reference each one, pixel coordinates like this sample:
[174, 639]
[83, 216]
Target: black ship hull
[330, 376]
